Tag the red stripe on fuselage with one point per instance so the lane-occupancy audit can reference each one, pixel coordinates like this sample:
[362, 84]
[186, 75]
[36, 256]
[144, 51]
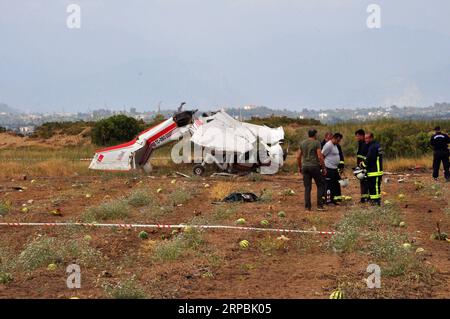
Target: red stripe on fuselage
[117, 146]
[151, 140]
[168, 129]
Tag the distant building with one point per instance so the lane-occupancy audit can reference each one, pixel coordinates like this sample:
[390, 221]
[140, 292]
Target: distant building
[26, 130]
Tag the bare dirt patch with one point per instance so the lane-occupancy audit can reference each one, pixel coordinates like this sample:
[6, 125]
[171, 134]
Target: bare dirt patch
[210, 264]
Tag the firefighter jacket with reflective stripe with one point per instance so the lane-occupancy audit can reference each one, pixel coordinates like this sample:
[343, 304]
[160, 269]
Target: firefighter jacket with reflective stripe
[374, 160]
[362, 152]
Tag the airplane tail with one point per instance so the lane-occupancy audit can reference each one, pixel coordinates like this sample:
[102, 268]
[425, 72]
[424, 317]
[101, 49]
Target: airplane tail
[136, 153]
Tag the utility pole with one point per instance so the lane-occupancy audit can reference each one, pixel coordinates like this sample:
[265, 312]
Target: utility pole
[159, 107]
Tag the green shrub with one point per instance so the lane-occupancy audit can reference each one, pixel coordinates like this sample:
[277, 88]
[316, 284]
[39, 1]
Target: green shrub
[5, 207]
[8, 262]
[192, 238]
[398, 138]
[359, 221]
[222, 212]
[154, 212]
[345, 240]
[139, 198]
[128, 289]
[179, 196]
[110, 210]
[49, 129]
[116, 129]
[276, 121]
[269, 244]
[387, 248]
[5, 278]
[168, 250]
[372, 218]
[266, 195]
[39, 252]
[45, 250]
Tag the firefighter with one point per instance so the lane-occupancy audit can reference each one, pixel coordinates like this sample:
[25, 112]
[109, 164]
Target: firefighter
[374, 168]
[439, 141]
[361, 157]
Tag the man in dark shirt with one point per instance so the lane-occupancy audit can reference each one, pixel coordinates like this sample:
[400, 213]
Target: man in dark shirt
[361, 157]
[311, 164]
[439, 141]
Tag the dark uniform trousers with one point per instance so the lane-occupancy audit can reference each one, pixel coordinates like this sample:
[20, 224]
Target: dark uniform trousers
[364, 190]
[333, 188]
[374, 184]
[374, 165]
[438, 157]
[364, 187]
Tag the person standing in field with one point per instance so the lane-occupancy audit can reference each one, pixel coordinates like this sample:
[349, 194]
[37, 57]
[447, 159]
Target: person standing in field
[374, 167]
[361, 157]
[439, 141]
[332, 157]
[311, 164]
[327, 137]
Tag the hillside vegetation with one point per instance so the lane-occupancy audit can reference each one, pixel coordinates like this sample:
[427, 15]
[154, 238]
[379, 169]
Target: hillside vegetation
[399, 138]
[276, 121]
[50, 129]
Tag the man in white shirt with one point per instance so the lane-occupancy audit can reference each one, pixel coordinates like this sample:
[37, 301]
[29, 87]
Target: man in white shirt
[330, 152]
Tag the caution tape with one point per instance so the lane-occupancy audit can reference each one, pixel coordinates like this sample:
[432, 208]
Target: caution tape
[163, 226]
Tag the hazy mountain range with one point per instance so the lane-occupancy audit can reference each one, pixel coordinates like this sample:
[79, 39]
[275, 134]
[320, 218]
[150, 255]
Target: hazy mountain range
[281, 53]
[14, 120]
[4, 108]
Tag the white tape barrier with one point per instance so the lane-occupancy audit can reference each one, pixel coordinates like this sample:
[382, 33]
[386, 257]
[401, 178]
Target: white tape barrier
[162, 226]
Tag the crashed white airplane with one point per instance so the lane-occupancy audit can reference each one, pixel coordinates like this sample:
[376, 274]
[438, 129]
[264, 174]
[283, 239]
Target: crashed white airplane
[230, 144]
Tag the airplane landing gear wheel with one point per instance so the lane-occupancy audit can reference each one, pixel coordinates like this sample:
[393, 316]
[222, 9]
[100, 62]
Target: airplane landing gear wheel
[198, 169]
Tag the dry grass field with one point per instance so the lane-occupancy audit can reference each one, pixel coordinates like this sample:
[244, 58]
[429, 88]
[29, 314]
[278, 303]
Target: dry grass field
[209, 263]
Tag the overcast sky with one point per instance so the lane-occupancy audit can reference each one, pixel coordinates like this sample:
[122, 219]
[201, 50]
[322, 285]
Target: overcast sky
[209, 53]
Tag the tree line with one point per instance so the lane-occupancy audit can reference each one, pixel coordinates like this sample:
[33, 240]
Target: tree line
[399, 138]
